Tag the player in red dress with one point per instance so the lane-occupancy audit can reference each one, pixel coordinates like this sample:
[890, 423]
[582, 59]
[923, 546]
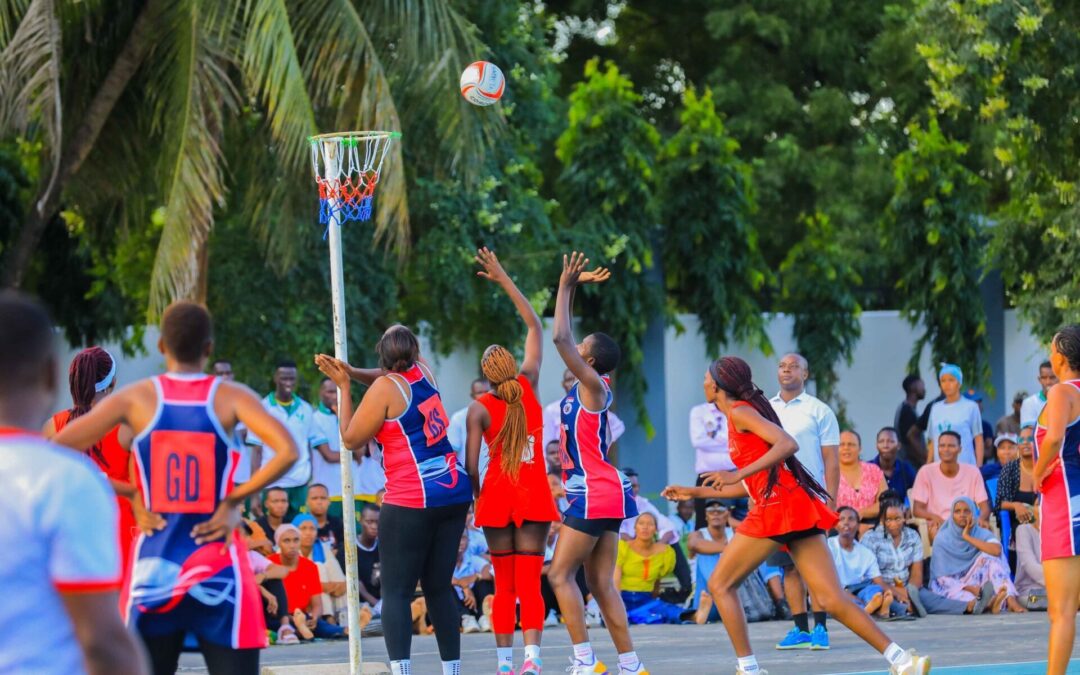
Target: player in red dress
[514, 504]
[92, 377]
[788, 510]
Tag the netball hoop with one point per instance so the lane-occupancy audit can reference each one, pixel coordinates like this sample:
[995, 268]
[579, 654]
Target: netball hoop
[347, 166]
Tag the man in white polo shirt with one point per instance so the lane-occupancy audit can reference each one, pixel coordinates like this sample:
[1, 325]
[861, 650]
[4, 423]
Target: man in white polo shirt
[709, 437]
[299, 418]
[1032, 406]
[61, 563]
[814, 427]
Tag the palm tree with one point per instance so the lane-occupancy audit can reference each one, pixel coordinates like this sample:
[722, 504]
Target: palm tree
[140, 106]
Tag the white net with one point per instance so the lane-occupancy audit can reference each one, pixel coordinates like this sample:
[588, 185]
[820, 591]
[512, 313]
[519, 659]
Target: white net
[347, 168]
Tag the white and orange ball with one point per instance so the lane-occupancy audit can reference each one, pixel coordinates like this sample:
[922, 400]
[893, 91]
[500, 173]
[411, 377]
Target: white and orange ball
[482, 83]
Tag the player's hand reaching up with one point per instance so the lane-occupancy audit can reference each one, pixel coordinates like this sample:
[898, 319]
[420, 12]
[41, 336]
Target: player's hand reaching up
[597, 276]
[493, 269]
[573, 266]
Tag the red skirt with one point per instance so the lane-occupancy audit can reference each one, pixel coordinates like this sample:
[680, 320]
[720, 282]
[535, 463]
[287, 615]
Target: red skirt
[504, 501]
[789, 508]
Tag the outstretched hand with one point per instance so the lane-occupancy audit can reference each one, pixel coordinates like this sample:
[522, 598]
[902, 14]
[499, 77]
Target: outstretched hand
[676, 493]
[573, 266]
[493, 269]
[597, 276]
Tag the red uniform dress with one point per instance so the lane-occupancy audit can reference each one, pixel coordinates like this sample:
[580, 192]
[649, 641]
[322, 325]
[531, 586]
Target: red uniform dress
[789, 508]
[502, 499]
[112, 459]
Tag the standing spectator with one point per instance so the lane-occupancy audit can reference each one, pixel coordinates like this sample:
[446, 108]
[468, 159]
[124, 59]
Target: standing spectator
[1033, 405]
[939, 484]
[554, 460]
[552, 415]
[814, 428]
[458, 431]
[860, 482]
[906, 422]
[370, 477]
[334, 601]
[967, 556]
[858, 569]
[709, 437]
[326, 460]
[899, 554]
[61, 566]
[275, 510]
[302, 586]
[367, 558]
[899, 473]
[957, 414]
[331, 530]
[1010, 423]
[299, 418]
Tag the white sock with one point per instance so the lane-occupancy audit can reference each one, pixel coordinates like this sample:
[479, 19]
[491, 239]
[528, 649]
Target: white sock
[403, 667]
[504, 655]
[629, 661]
[532, 652]
[748, 664]
[583, 653]
[896, 655]
[451, 667]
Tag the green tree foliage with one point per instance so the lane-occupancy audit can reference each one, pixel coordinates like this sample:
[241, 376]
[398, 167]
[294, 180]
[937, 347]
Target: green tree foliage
[711, 259]
[607, 189]
[932, 231]
[1005, 76]
[818, 283]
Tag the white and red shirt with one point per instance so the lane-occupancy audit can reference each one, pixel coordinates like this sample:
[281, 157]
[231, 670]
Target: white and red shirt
[59, 536]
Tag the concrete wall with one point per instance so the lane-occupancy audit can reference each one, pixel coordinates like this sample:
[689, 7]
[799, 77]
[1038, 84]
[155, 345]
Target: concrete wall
[676, 362]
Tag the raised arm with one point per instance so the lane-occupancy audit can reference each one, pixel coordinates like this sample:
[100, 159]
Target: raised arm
[593, 391]
[534, 347]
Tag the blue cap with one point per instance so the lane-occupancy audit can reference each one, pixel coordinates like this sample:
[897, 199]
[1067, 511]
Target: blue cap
[951, 369]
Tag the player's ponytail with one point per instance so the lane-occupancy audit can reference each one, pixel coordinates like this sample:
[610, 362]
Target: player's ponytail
[501, 369]
[92, 371]
[733, 375]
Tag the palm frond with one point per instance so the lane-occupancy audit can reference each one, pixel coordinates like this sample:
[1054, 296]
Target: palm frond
[345, 75]
[195, 93]
[10, 11]
[30, 79]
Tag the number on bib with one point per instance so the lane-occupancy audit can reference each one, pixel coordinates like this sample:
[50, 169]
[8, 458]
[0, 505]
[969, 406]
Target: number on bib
[182, 472]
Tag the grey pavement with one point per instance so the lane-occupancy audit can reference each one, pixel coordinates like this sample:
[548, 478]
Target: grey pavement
[978, 641]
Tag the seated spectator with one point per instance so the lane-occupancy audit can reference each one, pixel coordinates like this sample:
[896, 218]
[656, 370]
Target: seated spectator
[275, 511]
[558, 491]
[899, 473]
[684, 518]
[642, 562]
[667, 532]
[761, 594]
[1016, 486]
[256, 539]
[1004, 451]
[899, 553]
[967, 564]
[367, 559]
[858, 569]
[335, 604]
[860, 482]
[302, 586]
[275, 603]
[478, 545]
[939, 484]
[467, 571]
[553, 454]
[1030, 583]
[330, 528]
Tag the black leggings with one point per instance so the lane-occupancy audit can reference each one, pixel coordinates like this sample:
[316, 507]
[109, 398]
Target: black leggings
[164, 651]
[277, 589]
[420, 545]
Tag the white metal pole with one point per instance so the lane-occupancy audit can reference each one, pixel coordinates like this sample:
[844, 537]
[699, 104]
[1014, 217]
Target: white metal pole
[332, 151]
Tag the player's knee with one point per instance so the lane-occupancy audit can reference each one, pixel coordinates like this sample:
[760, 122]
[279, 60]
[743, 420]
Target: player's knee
[831, 600]
[719, 587]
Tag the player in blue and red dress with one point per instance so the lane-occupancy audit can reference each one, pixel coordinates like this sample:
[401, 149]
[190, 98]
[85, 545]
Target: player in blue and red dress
[427, 490]
[1057, 477]
[599, 495]
[190, 571]
[788, 511]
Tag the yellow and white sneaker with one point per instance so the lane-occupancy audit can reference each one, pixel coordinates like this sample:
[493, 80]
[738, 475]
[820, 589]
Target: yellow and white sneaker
[913, 665]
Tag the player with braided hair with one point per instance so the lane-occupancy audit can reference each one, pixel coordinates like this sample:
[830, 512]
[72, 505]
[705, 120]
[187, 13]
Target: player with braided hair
[789, 510]
[514, 504]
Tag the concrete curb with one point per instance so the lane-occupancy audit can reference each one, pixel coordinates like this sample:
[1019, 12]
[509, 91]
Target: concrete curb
[326, 669]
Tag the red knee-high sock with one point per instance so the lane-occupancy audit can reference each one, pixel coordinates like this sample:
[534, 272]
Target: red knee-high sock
[505, 602]
[527, 572]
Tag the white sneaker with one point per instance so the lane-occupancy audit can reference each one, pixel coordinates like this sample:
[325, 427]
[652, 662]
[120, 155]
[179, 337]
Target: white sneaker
[485, 624]
[581, 669]
[593, 617]
[552, 619]
[759, 671]
[469, 624]
[914, 665]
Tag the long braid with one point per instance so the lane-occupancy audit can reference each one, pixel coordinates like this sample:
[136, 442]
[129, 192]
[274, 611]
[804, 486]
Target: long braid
[733, 375]
[501, 369]
[89, 367]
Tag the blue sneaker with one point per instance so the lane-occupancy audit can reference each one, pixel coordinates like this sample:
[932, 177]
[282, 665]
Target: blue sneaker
[819, 639]
[796, 639]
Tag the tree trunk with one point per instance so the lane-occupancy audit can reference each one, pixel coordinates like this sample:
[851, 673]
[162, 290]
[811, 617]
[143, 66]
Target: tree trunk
[47, 204]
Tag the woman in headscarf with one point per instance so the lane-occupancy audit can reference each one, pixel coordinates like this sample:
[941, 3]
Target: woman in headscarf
[967, 561]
